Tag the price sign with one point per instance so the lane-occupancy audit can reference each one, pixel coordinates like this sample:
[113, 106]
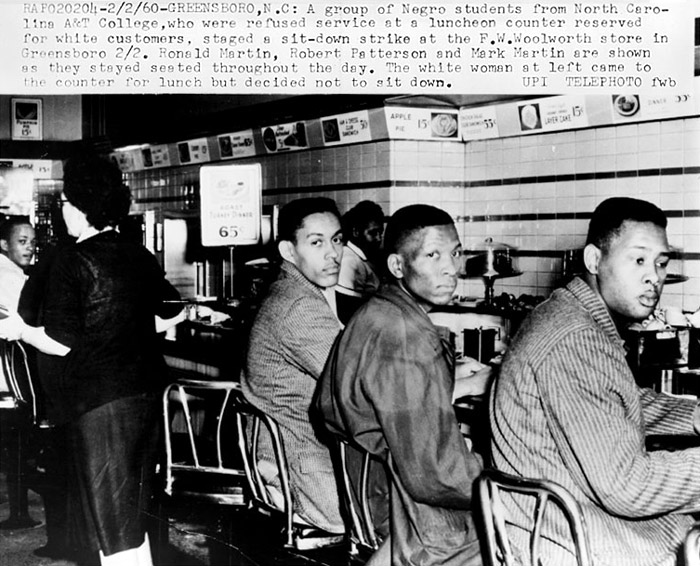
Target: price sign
[478, 123]
[231, 205]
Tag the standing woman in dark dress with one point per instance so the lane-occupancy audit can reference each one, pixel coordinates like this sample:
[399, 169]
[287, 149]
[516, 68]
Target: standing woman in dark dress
[105, 302]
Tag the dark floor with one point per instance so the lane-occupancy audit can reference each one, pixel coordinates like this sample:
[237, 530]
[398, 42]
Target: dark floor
[197, 534]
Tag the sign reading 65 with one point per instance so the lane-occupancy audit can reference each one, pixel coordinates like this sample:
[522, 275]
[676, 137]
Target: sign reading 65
[228, 231]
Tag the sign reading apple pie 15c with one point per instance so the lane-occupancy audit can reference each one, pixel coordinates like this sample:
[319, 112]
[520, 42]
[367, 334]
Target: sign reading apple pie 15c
[231, 204]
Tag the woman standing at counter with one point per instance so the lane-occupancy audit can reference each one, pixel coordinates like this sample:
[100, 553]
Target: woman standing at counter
[103, 302]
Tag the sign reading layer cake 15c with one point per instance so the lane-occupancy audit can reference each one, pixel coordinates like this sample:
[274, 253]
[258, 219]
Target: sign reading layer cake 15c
[231, 201]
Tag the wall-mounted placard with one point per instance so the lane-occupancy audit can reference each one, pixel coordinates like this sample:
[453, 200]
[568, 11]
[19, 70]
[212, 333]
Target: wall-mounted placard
[193, 151]
[352, 127]
[478, 123]
[422, 123]
[285, 137]
[563, 112]
[231, 204]
[160, 155]
[126, 159]
[27, 119]
[236, 145]
[668, 105]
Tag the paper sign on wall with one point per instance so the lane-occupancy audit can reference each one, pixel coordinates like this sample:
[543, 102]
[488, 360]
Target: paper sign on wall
[478, 123]
[231, 204]
[193, 151]
[422, 123]
[239, 144]
[346, 128]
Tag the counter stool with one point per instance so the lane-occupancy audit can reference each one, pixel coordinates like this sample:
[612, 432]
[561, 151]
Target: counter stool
[355, 493]
[19, 415]
[200, 465]
[266, 499]
[491, 483]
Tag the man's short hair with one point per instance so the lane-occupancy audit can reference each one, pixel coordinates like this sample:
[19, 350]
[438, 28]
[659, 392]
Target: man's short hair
[360, 216]
[408, 220]
[609, 216]
[293, 214]
[8, 226]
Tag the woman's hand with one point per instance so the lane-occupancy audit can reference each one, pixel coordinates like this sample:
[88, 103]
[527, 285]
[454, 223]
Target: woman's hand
[472, 378]
[215, 317]
[12, 326]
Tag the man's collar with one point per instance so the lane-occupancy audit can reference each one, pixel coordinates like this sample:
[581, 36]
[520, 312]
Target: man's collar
[293, 271]
[596, 307]
[9, 264]
[357, 250]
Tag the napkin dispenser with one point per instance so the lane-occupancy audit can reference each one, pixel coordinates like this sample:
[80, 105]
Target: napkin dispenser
[480, 343]
[663, 348]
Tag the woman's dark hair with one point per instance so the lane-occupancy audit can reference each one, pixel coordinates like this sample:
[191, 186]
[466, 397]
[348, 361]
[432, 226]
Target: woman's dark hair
[94, 186]
[293, 214]
[410, 219]
[610, 215]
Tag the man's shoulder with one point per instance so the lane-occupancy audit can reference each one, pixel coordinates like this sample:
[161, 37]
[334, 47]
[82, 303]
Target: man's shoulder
[289, 301]
[384, 315]
[560, 318]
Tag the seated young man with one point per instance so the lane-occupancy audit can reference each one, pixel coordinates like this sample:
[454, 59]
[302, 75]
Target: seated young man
[389, 386]
[363, 226]
[566, 406]
[289, 343]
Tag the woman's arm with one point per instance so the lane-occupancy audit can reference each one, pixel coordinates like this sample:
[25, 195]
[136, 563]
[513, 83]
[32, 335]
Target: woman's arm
[163, 324]
[14, 328]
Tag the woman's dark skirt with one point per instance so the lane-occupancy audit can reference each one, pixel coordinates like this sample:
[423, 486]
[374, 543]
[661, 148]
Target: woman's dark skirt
[115, 450]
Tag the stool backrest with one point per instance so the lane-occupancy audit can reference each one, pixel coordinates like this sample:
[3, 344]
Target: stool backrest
[254, 427]
[355, 492]
[197, 416]
[14, 366]
[691, 547]
[499, 551]
[250, 422]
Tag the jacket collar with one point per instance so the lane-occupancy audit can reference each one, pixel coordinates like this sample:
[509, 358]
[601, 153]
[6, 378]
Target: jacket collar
[291, 271]
[396, 295]
[594, 305]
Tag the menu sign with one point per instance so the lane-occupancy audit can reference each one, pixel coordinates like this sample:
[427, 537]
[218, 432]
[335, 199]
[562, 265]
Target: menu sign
[193, 151]
[160, 156]
[422, 123]
[27, 119]
[478, 123]
[236, 145]
[284, 137]
[124, 159]
[346, 128]
[231, 204]
[553, 113]
[657, 106]
[560, 112]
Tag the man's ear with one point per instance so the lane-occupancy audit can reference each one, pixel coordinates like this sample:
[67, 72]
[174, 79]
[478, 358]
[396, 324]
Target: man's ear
[4, 246]
[591, 258]
[394, 263]
[286, 249]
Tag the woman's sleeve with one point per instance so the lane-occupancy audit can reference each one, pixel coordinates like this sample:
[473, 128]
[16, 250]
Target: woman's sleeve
[62, 318]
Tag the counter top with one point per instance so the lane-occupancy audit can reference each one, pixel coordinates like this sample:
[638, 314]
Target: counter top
[208, 350]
